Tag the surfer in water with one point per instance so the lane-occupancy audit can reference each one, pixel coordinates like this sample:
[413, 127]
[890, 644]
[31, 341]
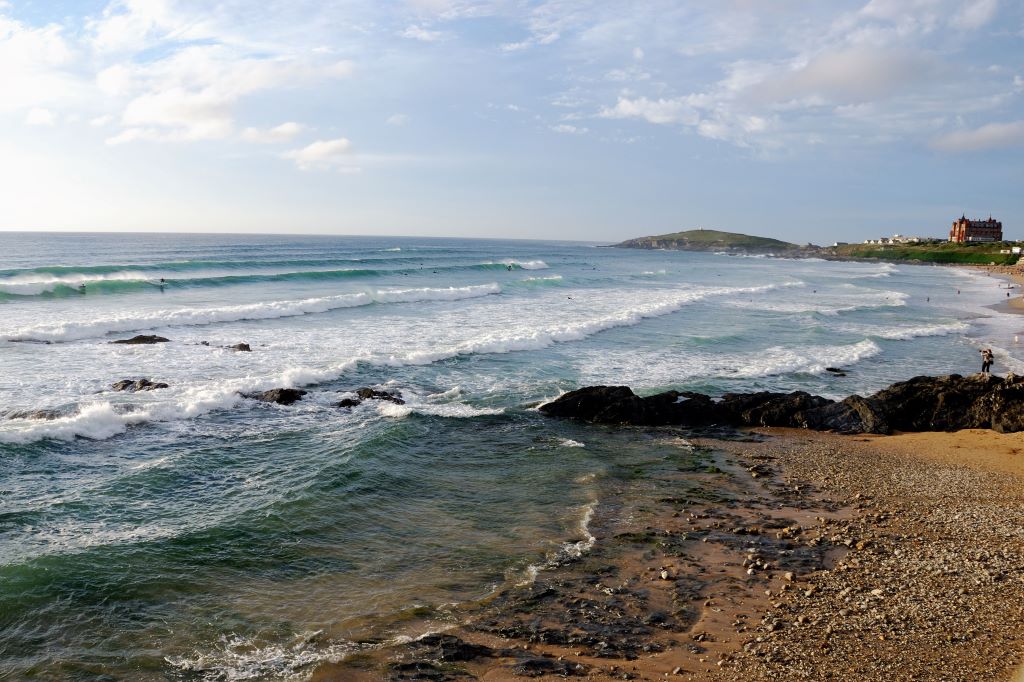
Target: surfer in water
[81, 288]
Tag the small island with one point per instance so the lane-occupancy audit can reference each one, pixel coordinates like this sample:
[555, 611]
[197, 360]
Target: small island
[710, 240]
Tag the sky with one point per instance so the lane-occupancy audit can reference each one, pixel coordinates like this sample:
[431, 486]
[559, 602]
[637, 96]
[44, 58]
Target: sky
[804, 120]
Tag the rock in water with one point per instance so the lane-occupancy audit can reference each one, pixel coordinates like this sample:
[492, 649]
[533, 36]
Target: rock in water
[370, 394]
[143, 339]
[241, 347]
[133, 385]
[281, 396]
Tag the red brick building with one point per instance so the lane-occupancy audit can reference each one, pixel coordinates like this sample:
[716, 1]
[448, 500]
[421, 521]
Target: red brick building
[965, 230]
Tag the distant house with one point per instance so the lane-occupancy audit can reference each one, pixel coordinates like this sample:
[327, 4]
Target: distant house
[898, 239]
[967, 230]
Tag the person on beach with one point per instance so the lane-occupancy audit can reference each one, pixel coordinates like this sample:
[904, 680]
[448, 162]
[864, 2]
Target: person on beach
[986, 361]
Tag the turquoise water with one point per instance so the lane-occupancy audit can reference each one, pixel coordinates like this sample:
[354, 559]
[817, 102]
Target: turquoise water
[189, 533]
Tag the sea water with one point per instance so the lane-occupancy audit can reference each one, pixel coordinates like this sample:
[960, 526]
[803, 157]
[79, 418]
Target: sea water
[192, 533]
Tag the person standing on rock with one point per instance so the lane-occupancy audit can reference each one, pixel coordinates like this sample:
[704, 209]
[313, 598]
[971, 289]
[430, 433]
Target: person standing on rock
[986, 361]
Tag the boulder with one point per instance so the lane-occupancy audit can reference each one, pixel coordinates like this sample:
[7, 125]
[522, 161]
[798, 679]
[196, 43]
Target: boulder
[133, 385]
[281, 396]
[768, 409]
[370, 394]
[945, 403]
[143, 339]
[852, 415]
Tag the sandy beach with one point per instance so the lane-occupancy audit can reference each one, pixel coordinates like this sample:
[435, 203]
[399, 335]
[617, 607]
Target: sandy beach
[772, 554]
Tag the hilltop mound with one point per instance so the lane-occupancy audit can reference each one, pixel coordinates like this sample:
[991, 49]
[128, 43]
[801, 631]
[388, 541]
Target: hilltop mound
[707, 240]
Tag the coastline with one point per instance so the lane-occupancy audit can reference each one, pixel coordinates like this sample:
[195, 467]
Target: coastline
[768, 554]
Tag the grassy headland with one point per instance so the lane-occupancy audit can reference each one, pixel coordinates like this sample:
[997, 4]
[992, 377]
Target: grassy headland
[709, 240]
[980, 253]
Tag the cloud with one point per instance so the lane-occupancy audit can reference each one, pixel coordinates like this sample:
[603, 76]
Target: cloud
[397, 120]
[282, 133]
[568, 129]
[321, 155]
[990, 136]
[40, 117]
[419, 33]
[844, 76]
[33, 65]
[192, 94]
[975, 14]
[659, 111]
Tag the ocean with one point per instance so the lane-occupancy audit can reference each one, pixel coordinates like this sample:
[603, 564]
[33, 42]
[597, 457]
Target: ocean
[190, 533]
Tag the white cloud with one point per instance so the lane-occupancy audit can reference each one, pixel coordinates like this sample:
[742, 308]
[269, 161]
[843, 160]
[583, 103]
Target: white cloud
[322, 154]
[638, 54]
[990, 136]
[282, 133]
[33, 65]
[568, 129]
[844, 76]
[40, 117]
[975, 14]
[419, 33]
[192, 94]
[100, 121]
[397, 120]
[659, 111]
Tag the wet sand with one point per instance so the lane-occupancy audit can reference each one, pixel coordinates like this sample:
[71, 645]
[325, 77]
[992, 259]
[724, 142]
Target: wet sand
[769, 555]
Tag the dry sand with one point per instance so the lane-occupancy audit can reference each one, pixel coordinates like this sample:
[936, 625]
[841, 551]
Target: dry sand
[783, 555]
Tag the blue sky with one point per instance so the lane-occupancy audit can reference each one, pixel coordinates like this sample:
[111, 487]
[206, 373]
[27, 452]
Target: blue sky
[574, 119]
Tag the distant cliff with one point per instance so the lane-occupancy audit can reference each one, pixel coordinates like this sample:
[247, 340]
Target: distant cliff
[709, 240]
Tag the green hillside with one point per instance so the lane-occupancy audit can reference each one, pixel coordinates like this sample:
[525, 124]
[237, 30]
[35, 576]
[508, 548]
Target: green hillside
[933, 252]
[707, 240]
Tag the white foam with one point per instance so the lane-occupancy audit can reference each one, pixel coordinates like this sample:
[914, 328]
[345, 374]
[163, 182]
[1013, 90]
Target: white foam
[243, 658]
[69, 331]
[30, 284]
[907, 333]
[452, 410]
[525, 265]
[569, 443]
[810, 359]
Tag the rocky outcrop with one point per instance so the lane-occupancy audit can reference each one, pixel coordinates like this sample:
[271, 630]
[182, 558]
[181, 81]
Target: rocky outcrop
[281, 396]
[142, 339]
[366, 393]
[45, 414]
[947, 403]
[133, 385]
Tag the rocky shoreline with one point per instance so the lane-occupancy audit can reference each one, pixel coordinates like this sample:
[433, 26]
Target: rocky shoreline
[771, 555]
[946, 403]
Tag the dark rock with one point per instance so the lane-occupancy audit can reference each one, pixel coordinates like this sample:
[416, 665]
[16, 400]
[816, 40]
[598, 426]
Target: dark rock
[834, 370]
[451, 648]
[133, 385]
[143, 339]
[619, 405]
[852, 415]
[370, 394]
[537, 667]
[281, 396]
[768, 409]
[349, 402]
[945, 403]
[241, 347]
[47, 414]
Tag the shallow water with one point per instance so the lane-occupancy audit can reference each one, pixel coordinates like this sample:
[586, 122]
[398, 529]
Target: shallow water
[188, 532]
